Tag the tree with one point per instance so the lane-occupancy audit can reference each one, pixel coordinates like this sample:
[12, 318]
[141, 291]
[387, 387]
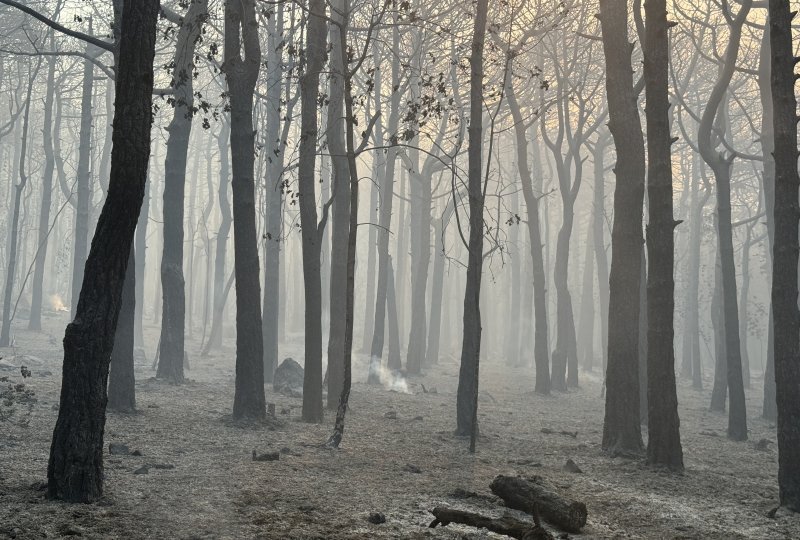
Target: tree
[663, 425]
[721, 166]
[785, 250]
[467, 396]
[75, 467]
[310, 229]
[171, 344]
[621, 428]
[241, 72]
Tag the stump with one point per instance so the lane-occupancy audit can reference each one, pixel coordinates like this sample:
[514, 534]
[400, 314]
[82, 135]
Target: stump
[506, 525]
[530, 494]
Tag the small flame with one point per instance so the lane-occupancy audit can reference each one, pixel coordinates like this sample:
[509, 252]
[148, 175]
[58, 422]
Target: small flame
[56, 303]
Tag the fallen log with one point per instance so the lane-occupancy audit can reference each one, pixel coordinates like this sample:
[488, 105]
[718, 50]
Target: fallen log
[506, 525]
[530, 494]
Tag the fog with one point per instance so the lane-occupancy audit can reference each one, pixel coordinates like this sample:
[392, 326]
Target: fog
[394, 269]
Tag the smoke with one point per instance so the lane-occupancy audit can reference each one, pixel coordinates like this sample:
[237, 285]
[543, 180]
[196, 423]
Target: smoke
[390, 380]
[56, 303]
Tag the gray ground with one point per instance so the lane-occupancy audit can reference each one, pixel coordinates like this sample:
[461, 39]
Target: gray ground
[215, 490]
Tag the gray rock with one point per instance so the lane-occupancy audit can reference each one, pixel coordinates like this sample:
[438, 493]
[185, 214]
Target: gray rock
[116, 449]
[288, 379]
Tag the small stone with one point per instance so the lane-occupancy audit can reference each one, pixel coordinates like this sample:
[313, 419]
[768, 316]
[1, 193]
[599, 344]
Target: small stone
[763, 444]
[136, 453]
[571, 466]
[269, 456]
[376, 518]
[412, 468]
[116, 449]
[417, 418]
[163, 466]
[144, 469]
[392, 415]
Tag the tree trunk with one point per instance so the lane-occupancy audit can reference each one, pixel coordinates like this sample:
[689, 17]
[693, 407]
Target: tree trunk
[141, 250]
[663, 425]
[532, 495]
[621, 427]
[75, 468]
[35, 320]
[467, 397]
[785, 250]
[173, 319]
[241, 66]
[599, 240]
[719, 391]
[437, 286]
[341, 209]
[84, 187]
[541, 350]
[11, 262]
[586, 318]
[311, 230]
[121, 379]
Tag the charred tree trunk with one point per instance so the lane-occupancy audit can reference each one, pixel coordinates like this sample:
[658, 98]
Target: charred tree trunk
[75, 468]
[663, 425]
[621, 428]
[242, 62]
[121, 379]
[599, 239]
[785, 250]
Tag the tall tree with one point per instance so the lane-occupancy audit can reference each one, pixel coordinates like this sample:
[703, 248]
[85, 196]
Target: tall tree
[242, 62]
[721, 166]
[311, 230]
[663, 425]
[467, 397]
[621, 428]
[75, 468]
[785, 251]
[171, 344]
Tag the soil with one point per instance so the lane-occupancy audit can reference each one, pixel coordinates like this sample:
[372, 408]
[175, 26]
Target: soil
[196, 477]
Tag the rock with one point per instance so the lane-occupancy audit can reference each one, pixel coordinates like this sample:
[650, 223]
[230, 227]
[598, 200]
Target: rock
[460, 493]
[417, 418]
[288, 379]
[269, 456]
[162, 465]
[117, 449]
[571, 466]
[144, 469]
[392, 415]
[412, 468]
[136, 453]
[376, 518]
[284, 410]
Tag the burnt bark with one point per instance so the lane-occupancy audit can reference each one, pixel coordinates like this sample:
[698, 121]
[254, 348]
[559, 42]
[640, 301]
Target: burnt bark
[75, 468]
[785, 251]
[528, 493]
[121, 379]
[621, 427]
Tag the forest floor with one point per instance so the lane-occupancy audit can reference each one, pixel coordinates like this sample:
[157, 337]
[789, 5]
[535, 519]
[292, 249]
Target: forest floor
[201, 481]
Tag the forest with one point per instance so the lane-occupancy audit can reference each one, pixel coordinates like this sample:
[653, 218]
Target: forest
[399, 269]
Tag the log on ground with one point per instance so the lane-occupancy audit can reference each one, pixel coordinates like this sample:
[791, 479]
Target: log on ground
[530, 494]
[506, 525]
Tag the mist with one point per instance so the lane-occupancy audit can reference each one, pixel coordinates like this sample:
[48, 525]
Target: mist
[397, 269]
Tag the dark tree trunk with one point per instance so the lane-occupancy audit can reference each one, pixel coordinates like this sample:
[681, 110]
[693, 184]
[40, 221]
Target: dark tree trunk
[437, 286]
[621, 428]
[719, 391]
[785, 250]
[586, 318]
[121, 379]
[311, 230]
[241, 72]
[173, 319]
[526, 495]
[599, 241]
[663, 425]
[141, 250]
[468, 376]
[75, 468]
